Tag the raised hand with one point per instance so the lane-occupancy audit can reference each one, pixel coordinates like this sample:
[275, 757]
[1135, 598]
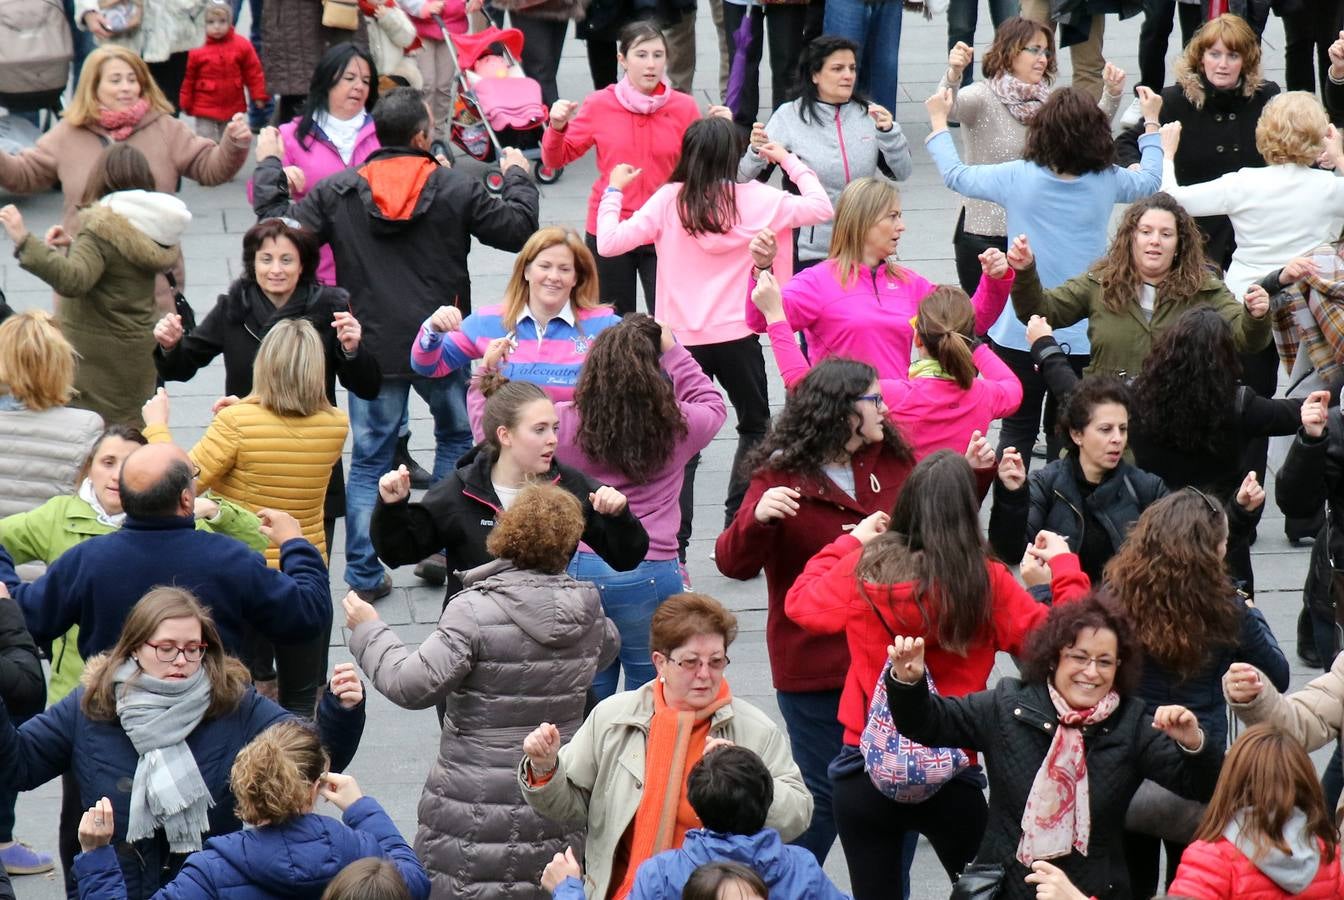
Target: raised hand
[1179, 724]
[205, 508]
[357, 610]
[395, 486]
[269, 143]
[1019, 254]
[1257, 301]
[497, 352]
[1114, 77]
[168, 331]
[561, 866]
[348, 331]
[607, 501]
[1336, 53]
[340, 790]
[1032, 570]
[1037, 328]
[278, 526]
[871, 527]
[155, 410]
[1150, 104]
[772, 152]
[907, 659]
[1242, 683]
[758, 136]
[1171, 139]
[719, 111]
[939, 106]
[621, 176]
[767, 298]
[346, 686]
[445, 319]
[777, 503]
[238, 130]
[513, 158]
[994, 263]
[1251, 494]
[542, 748]
[295, 176]
[1314, 411]
[562, 112]
[979, 452]
[1012, 471]
[57, 238]
[1298, 268]
[12, 220]
[763, 248]
[958, 58]
[1047, 546]
[881, 117]
[96, 826]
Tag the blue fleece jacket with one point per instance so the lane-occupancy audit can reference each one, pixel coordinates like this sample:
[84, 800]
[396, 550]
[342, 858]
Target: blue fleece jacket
[791, 873]
[95, 583]
[296, 859]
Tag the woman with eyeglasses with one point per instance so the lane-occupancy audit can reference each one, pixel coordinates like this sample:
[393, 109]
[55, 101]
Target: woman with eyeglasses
[923, 569]
[1191, 624]
[155, 727]
[634, 812]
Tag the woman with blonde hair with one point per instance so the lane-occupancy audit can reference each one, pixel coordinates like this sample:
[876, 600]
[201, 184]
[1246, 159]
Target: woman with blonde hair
[274, 449]
[116, 99]
[45, 441]
[277, 780]
[165, 711]
[520, 643]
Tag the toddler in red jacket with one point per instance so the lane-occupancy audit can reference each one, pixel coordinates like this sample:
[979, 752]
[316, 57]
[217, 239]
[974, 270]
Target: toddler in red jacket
[217, 72]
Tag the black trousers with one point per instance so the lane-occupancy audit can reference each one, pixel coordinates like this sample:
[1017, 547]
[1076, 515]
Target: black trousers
[1155, 34]
[617, 276]
[873, 829]
[788, 28]
[602, 63]
[1006, 534]
[967, 247]
[169, 75]
[1307, 36]
[739, 366]
[543, 39]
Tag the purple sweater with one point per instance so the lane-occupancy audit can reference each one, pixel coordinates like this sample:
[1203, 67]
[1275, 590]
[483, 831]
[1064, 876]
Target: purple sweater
[655, 501]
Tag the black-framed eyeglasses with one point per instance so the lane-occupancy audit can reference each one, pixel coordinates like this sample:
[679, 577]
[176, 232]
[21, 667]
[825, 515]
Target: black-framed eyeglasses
[1036, 50]
[166, 652]
[693, 663]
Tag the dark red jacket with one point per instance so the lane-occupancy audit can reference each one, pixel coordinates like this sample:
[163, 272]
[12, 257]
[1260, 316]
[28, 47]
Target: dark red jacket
[216, 74]
[825, 599]
[800, 661]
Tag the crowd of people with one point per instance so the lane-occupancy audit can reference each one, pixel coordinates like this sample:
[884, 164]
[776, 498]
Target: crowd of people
[166, 611]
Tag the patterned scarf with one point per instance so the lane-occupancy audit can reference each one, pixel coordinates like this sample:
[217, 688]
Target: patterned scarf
[1310, 314]
[1057, 817]
[119, 123]
[1021, 99]
[168, 792]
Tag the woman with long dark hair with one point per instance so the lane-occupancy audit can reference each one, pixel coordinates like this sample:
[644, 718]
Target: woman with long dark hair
[702, 222]
[831, 459]
[925, 569]
[641, 409]
[1192, 624]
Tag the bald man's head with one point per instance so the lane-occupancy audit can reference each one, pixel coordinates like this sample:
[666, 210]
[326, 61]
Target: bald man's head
[156, 480]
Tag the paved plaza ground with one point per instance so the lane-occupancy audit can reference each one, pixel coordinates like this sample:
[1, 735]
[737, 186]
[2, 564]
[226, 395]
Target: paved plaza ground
[399, 746]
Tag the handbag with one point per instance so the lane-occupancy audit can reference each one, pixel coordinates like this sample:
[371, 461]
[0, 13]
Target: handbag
[978, 881]
[343, 14]
[180, 305]
[901, 769]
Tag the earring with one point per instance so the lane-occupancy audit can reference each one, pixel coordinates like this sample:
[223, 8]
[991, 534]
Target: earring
[662, 680]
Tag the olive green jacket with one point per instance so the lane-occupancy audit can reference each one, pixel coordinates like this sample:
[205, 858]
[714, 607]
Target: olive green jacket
[1121, 341]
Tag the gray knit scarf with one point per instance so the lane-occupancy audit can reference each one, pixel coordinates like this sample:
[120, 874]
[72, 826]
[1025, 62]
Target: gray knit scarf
[168, 791]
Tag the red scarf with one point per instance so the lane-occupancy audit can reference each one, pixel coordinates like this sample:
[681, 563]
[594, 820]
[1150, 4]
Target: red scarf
[367, 8]
[119, 123]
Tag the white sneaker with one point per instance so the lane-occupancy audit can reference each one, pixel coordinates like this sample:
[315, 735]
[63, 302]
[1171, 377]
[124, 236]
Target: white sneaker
[1132, 115]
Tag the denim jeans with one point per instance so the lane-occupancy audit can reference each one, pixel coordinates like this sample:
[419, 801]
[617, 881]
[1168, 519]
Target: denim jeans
[816, 737]
[374, 425]
[629, 599]
[961, 21]
[876, 28]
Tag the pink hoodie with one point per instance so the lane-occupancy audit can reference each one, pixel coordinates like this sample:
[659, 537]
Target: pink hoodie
[700, 277]
[932, 413]
[869, 320]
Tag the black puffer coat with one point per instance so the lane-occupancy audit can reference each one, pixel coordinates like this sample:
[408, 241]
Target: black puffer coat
[1012, 726]
[1312, 475]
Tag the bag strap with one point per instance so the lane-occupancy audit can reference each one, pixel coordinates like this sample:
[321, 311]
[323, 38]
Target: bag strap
[863, 592]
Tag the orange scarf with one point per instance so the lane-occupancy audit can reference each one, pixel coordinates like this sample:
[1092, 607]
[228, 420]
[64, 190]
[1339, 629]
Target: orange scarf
[676, 743]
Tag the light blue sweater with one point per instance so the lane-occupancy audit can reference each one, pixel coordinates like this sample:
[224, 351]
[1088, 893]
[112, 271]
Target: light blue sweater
[1065, 219]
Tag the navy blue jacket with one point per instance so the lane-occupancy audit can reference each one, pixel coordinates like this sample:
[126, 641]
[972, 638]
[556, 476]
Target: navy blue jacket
[791, 873]
[95, 583]
[102, 760]
[295, 859]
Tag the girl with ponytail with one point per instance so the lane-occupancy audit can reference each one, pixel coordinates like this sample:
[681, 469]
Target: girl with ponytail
[957, 386]
[276, 780]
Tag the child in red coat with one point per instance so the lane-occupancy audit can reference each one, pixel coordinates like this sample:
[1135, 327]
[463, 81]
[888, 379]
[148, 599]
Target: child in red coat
[217, 71]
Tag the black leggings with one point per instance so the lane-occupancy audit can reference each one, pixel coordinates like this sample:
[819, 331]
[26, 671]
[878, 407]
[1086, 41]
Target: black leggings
[873, 828]
[617, 276]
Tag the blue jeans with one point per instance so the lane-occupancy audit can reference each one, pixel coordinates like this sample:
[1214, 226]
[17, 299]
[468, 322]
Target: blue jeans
[374, 425]
[816, 736]
[876, 28]
[961, 21]
[629, 599]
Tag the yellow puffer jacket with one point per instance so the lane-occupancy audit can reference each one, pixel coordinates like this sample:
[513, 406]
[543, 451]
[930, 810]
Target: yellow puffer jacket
[260, 459]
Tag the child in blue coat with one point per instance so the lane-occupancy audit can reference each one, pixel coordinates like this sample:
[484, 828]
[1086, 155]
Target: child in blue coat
[290, 851]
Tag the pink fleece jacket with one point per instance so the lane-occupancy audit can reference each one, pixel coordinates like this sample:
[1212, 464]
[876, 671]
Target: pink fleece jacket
[655, 500]
[653, 142]
[318, 160]
[870, 319]
[932, 413]
[700, 277]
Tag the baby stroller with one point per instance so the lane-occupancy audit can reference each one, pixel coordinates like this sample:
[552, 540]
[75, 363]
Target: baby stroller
[38, 49]
[497, 105]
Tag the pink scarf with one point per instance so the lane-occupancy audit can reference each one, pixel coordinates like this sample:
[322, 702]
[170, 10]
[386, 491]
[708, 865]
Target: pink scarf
[640, 103]
[119, 123]
[1021, 98]
[1057, 818]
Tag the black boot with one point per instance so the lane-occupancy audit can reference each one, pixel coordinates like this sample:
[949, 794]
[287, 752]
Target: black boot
[420, 479]
[1306, 641]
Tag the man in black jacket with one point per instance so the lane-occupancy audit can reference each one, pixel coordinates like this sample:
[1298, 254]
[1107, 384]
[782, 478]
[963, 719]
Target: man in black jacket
[24, 691]
[400, 227]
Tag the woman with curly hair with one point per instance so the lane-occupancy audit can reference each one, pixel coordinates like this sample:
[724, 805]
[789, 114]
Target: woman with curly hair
[641, 409]
[831, 459]
[1066, 747]
[925, 569]
[1153, 271]
[1192, 624]
[520, 644]
[277, 780]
